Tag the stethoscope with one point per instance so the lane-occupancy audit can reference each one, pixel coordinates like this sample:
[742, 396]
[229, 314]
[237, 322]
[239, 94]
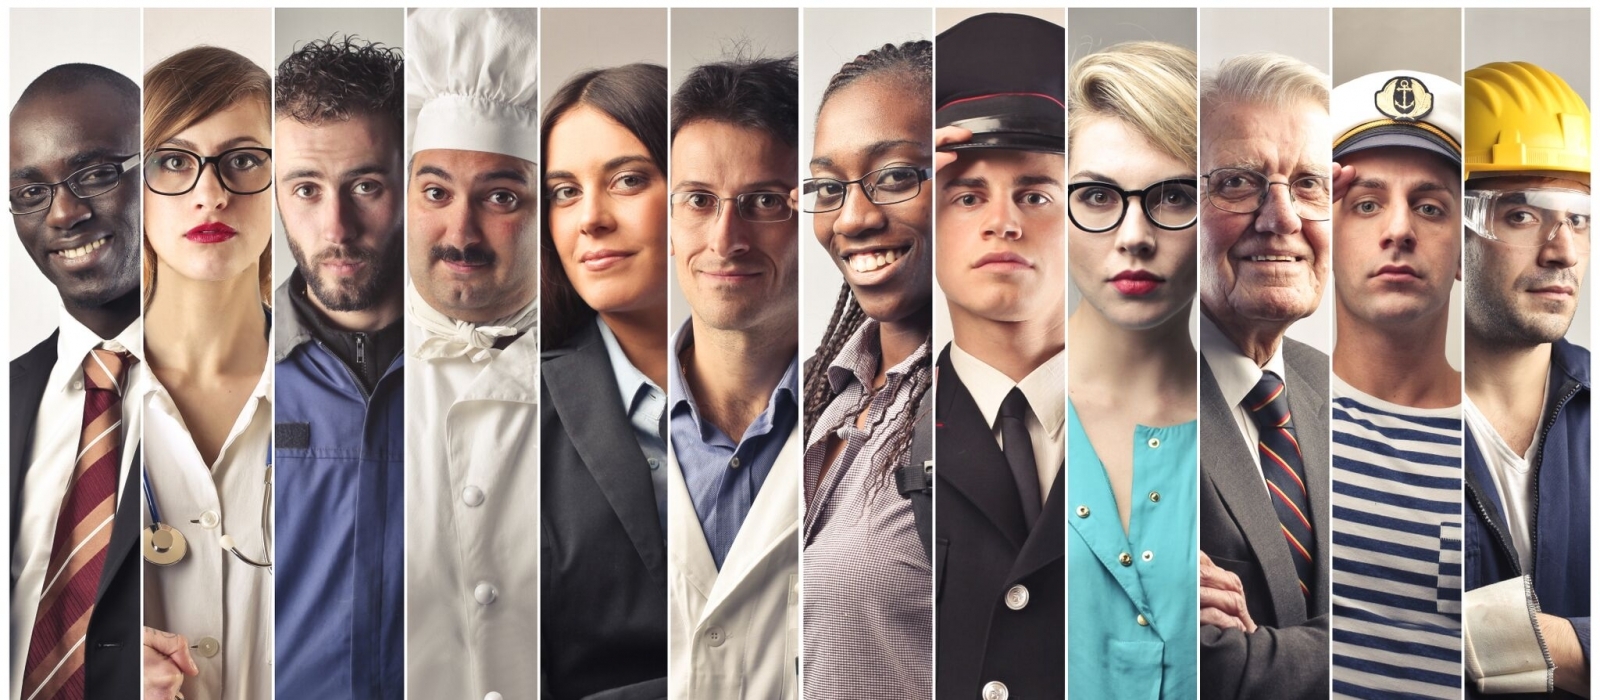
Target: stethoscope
[165, 545]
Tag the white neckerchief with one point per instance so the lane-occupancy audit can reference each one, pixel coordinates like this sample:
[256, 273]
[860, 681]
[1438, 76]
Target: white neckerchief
[443, 336]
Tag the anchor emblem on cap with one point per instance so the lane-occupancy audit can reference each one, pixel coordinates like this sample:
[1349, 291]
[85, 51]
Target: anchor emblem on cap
[1404, 99]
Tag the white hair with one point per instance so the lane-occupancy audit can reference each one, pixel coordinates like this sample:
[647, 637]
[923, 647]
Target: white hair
[1265, 78]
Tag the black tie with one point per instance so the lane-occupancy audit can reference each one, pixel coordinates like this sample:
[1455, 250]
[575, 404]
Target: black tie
[1019, 452]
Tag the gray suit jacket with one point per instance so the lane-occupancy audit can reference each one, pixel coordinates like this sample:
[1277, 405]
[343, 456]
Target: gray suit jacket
[1287, 658]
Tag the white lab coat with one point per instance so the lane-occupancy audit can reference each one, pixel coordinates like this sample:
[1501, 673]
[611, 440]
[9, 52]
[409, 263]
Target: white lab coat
[472, 525]
[724, 627]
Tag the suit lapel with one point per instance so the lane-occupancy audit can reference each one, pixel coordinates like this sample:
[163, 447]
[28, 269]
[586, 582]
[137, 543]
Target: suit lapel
[774, 517]
[1309, 406]
[29, 374]
[1047, 542]
[1227, 462]
[970, 459]
[686, 542]
[584, 391]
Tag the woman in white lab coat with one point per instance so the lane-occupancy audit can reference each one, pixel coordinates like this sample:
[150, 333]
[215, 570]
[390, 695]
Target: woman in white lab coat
[207, 441]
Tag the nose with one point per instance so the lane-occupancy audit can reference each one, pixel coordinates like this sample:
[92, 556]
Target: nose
[1399, 229]
[1002, 218]
[208, 192]
[728, 233]
[859, 215]
[66, 209]
[1277, 214]
[339, 223]
[461, 227]
[1563, 250]
[594, 215]
[1135, 237]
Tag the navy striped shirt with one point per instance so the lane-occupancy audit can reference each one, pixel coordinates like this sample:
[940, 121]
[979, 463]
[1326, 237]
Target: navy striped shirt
[1396, 548]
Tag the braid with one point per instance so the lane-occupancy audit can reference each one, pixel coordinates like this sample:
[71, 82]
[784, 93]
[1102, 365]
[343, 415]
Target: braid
[847, 318]
[921, 379]
[913, 60]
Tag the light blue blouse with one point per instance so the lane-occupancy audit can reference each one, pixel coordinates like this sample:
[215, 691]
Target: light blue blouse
[1133, 599]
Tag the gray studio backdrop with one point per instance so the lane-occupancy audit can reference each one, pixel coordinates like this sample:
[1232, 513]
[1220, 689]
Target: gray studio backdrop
[834, 37]
[1369, 40]
[1090, 30]
[1303, 34]
[945, 18]
[40, 40]
[706, 36]
[295, 27]
[1558, 41]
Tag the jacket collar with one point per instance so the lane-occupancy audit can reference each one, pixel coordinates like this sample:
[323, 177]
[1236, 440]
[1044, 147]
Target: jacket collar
[291, 332]
[1571, 360]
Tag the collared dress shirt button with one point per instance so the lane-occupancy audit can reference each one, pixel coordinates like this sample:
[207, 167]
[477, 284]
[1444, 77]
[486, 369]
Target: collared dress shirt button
[1142, 621]
[716, 636]
[1148, 555]
[1125, 559]
[733, 463]
[1017, 597]
[995, 690]
[472, 496]
[654, 464]
[77, 385]
[485, 593]
[209, 519]
[207, 647]
[1083, 511]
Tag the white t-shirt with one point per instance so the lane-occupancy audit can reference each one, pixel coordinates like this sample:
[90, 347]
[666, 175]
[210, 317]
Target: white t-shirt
[1512, 474]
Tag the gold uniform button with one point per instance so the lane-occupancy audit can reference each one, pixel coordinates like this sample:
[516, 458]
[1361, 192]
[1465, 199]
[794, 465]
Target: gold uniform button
[1154, 443]
[1155, 496]
[1083, 511]
[1143, 622]
[1126, 559]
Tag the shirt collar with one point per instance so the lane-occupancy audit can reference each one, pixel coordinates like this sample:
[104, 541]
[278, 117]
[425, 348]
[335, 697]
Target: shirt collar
[1045, 387]
[630, 381]
[75, 340]
[678, 384]
[1236, 374]
[859, 358]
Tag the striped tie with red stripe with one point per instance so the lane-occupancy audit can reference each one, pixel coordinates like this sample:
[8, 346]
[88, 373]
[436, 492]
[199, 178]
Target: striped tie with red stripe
[54, 669]
[1268, 404]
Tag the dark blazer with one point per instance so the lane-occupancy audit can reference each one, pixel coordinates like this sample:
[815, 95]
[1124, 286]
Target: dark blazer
[983, 548]
[605, 557]
[112, 647]
[1287, 658]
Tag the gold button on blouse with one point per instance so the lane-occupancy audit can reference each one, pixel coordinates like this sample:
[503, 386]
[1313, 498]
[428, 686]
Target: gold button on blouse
[1155, 496]
[1143, 622]
[1126, 559]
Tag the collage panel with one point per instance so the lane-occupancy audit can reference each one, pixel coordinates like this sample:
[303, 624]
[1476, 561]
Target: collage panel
[1000, 400]
[1264, 256]
[338, 130]
[77, 344]
[472, 345]
[1526, 209]
[1132, 465]
[868, 287]
[733, 503]
[604, 369]
[1396, 384]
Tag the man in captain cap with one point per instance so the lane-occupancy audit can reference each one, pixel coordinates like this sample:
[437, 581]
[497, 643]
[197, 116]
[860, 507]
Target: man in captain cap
[1396, 417]
[1001, 530]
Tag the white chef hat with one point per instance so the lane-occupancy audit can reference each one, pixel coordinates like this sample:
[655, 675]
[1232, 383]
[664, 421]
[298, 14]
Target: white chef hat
[472, 80]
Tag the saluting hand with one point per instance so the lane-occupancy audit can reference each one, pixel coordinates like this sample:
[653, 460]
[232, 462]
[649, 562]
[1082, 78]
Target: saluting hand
[1343, 175]
[166, 662]
[1222, 602]
[944, 137]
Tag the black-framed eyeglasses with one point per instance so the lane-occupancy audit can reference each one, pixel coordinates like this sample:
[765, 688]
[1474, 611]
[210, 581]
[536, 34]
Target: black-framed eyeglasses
[1243, 191]
[92, 181]
[696, 208]
[174, 171]
[891, 185]
[1100, 207]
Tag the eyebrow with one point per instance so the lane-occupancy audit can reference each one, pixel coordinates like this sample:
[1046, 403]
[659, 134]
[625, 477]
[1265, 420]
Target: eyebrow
[313, 173]
[763, 186]
[609, 166]
[435, 171]
[75, 162]
[1097, 177]
[966, 182]
[874, 151]
[1035, 180]
[225, 145]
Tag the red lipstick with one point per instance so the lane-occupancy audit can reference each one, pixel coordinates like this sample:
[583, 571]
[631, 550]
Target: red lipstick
[211, 232]
[1137, 283]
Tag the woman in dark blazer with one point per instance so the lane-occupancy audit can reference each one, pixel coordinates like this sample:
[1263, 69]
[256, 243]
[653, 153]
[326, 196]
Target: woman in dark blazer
[605, 363]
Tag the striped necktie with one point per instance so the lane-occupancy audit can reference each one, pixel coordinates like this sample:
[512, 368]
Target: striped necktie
[55, 665]
[1268, 404]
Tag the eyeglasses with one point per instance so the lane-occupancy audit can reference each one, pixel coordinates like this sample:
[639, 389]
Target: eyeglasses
[1243, 191]
[891, 185]
[92, 181]
[1526, 218]
[1099, 207]
[174, 171]
[702, 208]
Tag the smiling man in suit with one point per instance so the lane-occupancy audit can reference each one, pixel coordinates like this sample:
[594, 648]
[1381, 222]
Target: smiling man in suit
[1264, 258]
[74, 498]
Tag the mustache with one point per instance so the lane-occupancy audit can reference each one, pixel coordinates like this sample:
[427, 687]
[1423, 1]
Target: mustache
[470, 255]
[346, 253]
[1561, 277]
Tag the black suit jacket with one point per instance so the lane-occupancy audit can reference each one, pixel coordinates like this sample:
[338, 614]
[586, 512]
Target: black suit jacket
[605, 557]
[982, 548]
[112, 647]
[1287, 658]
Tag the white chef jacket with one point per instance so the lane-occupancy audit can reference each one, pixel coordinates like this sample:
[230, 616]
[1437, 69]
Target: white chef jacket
[472, 523]
[56, 433]
[210, 596]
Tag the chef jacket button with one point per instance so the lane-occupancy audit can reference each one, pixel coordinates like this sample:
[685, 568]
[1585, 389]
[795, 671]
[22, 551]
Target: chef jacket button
[472, 496]
[207, 647]
[1148, 555]
[1017, 597]
[1083, 511]
[1155, 496]
[485, 593]
[1125, 559]
[995, 690]
[716, 636]
[654, 464]
[493, 696]
[733, 463]
[1154, 443]
[1143, 622]
[209, 519]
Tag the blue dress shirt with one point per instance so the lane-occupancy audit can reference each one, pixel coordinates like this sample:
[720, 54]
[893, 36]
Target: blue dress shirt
[644, 404]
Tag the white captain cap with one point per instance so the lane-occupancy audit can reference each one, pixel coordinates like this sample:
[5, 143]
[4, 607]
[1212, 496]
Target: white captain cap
[1398, 108]
[472, 80]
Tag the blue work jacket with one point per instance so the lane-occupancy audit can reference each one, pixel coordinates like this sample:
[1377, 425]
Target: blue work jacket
[1560, 511]
[340, 514]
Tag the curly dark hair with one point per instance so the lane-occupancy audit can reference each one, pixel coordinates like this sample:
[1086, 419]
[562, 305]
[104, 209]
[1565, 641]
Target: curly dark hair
[343, 76]
[754, 93]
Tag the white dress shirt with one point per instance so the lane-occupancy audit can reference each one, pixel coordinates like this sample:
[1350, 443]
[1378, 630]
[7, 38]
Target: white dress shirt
[1236, 376]
[1046, 390]
[56, 433]
[472, 518]
[215, 600]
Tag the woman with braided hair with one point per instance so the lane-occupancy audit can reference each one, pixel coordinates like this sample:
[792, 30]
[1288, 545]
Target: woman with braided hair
[868, 579]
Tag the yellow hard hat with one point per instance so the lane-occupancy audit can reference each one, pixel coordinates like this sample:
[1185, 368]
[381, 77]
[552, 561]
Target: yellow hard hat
[1521, 117]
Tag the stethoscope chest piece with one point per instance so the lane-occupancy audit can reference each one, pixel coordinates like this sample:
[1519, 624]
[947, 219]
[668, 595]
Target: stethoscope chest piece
[164, 545]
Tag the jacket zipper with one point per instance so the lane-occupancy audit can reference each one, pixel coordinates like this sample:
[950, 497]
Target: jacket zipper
[361, 353]
[1538, 464]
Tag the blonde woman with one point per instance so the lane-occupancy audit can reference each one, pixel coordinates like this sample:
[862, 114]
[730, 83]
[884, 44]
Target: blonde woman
[208, 417]
[1131, 441]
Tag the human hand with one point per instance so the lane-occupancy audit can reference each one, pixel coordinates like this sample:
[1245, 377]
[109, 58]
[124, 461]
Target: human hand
[1222, 602]
[166, 662]
[944, 137]
[1343, 175]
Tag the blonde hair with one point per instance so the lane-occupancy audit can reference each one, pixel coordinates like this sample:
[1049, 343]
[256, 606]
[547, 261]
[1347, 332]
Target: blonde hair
[1265, 78]
[1148, 85]
[185, 89]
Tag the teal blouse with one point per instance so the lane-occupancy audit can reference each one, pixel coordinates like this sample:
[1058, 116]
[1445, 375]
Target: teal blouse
[1133, 599]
